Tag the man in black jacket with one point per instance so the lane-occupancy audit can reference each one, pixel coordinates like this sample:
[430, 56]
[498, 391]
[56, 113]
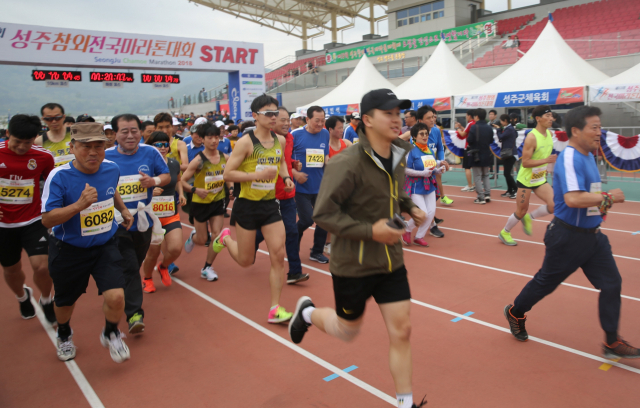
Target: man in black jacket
[508, 135]
[480, 138]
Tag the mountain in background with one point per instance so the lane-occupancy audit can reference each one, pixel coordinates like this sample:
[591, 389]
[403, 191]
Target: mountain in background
[20, 94]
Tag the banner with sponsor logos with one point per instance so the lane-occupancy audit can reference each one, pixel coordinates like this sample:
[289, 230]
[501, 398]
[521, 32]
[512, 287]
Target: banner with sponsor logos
[337, 110]
[615, 93]
[556, 96]
[439, 104]
[413, 42]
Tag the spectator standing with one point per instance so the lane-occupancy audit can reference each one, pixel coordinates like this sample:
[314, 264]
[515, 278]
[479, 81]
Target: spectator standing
[480, 138]
[507, 135]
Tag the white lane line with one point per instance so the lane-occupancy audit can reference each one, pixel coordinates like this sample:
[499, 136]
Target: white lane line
[513, 201]
[521, 240]
[385, 397]
[72, 366]
[507, 216]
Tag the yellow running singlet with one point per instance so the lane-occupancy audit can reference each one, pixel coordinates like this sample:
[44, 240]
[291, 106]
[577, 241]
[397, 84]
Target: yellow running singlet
[260, 159]
[209, 177]
[537, 176]
[60, 150]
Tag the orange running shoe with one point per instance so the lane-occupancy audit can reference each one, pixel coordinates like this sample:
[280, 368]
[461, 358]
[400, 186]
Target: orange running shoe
[148, 286]
[165, 277]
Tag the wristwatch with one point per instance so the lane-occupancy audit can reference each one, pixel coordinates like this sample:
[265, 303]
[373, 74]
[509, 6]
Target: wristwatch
[193, 190]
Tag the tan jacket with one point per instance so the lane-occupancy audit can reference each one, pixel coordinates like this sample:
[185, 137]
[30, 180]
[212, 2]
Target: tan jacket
[356, 192]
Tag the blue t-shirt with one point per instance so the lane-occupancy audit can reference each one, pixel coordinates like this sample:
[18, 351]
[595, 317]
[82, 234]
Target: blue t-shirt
[574, 171]
[147, 160]
[187, 140]
[415, 162]
[95, 225]
[192, 150]
[435, 143]
[350, 134]
[308, 146]
[224, 146]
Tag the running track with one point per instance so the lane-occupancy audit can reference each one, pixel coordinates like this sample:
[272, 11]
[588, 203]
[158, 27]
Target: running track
[208, 344]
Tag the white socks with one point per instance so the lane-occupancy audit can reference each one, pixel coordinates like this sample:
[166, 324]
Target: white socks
[24, 297]
[404, 400]
[45, 300]
[540, 212]
[306, 314]
[511, 222]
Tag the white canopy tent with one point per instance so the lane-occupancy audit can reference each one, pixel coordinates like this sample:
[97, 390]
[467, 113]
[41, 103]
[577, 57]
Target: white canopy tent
[438, 80]
[346, 97]
[550, 73]
[624, 87]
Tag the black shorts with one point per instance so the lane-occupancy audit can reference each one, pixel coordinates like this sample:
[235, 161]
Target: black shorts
[252, 215]
[204, 212]
[34, 238]
[466, 161]
[171, 226]
[520, 185]
[71, 266]
[351, 294]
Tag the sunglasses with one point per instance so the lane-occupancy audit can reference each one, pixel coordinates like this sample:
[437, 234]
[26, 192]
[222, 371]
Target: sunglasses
[160, 145]
[269, 114]
[53, 118]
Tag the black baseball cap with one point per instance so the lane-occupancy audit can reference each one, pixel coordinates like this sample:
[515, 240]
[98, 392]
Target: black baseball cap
[383, 99]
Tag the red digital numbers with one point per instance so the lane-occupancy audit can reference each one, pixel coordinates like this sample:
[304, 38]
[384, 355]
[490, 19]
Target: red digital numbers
[160, 79]
[73, 76]
[111, 77]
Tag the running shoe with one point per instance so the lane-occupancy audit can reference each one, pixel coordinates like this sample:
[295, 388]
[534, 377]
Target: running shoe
[136, 324]
[66, 348]
[327, 248]
[218, 243]
[506, 239]
[148, 286]
[189, 244]
[298, 277]
[209, 274]
[406, 238]
[620, 349]
[279, 315]
[26, 308]
[516, 325]
[487, 199]
[446, 200]
[173, 268]
[422, 403]
[435, 232]
[479, 201]
[526, 224]
[420, 242]
[208, 240]
[506, 194]
[117, 348]
[467, 189]
[319, 258]
[438, 221]
[49, 312]
[165, 277]
[513, 196]
[297, 326]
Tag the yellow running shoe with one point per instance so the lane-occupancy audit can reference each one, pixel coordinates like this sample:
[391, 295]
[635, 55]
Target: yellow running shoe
[506, 239]
[279, 315]
[526, 224]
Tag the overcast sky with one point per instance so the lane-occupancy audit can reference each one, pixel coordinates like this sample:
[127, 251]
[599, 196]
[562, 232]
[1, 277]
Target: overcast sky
[178, 18]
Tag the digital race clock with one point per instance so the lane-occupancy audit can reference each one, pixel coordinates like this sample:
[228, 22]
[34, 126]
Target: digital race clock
[110, 77]
[160, 79]
[39, 75]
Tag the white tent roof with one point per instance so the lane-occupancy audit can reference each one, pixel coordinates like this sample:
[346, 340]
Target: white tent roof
[442, 76]
[364, 78]
[630, 76]
[549, 64]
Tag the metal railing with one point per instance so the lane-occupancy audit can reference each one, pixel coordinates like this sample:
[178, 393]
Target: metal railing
[471, 44]
[294, 73]
[217, 93]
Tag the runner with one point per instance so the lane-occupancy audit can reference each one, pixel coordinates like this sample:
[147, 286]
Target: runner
[367, 258]
[164, 123]
[165, 206]
[311, 147]
[335, 126]
[532, 176]
[287, 204]
[420, 182]
[57, 138]
[141, 169]
[255, 164]
[350, 132]
[148, 127]
[207, 203]
[573, 239]
[22, 165]
[78, 202]
[110, 134]
[466, 160]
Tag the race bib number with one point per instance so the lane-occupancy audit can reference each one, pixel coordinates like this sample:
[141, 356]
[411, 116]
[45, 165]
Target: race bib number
[539, 174]
[16, 191]
[163, 206]
[595, 188]
[60, 160]
[213, 184]
[315, 158]
[356, 140]
[130, 188]
[97, 219]
[264, 184]
[428, 161]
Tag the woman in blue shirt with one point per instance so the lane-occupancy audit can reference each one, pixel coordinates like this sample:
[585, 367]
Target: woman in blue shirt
[420, 182]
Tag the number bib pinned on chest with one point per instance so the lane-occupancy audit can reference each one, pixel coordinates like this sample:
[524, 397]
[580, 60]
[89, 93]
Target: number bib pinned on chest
[315, 158]
[97, 219]
[163, 206]
[16, 191]
[130, 188]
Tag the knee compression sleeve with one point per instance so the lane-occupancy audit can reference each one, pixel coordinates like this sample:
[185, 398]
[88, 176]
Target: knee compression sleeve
[337, 329]
[541, 211]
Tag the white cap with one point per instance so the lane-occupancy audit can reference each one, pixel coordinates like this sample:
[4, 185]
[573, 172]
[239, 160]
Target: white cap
[200, 121]
[355, 115]
[108, 126]
[219, 123]
[176, 122]
[295, 116]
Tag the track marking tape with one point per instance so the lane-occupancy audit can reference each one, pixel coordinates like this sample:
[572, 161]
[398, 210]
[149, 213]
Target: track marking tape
[334, 376]
[606, 366]
[457, 319]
